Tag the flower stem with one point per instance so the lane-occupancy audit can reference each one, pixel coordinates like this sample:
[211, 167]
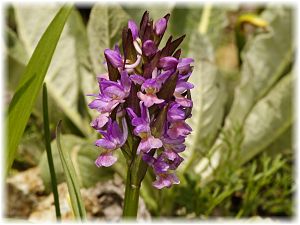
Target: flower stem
[136, 172]
[131, 198]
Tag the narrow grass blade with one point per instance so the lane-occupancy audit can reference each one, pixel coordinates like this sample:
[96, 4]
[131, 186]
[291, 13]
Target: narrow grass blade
[71, 177]
[49, 152]
[31, 82]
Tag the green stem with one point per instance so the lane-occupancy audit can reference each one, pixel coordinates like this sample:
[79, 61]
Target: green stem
[136, 172]
[49, 152]
[131, 198]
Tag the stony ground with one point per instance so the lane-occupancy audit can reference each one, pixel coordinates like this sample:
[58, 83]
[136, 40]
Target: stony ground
[26, 199]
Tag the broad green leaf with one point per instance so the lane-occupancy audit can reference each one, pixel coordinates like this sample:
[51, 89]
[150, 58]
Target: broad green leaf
[70, 62]
[104, 31]
[83, 156]
[209, 97]
[71, 177]
[265, 58]
[268, 119]
[31, 82]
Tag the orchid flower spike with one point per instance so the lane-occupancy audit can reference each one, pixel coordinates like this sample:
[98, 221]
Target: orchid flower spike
[144, 100]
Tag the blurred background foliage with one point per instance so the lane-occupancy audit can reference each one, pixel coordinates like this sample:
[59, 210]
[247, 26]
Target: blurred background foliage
[239, 160]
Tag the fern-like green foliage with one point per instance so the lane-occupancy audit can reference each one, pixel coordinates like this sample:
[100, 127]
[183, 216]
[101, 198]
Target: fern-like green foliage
[263, 187]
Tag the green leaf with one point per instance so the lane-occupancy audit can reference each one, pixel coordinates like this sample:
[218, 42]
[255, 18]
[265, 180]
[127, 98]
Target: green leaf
[71, 177]
[104, 31]
[31, 83]
[268, 119]
[49, 152]
[265, 59]
[70, 65]
[209, 97]
[83, 156]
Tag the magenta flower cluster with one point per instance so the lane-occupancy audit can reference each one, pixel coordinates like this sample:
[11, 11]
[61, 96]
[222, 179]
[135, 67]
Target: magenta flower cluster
[145, 96]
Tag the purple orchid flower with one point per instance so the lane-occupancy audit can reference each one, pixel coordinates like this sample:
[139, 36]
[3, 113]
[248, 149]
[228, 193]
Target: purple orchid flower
[134, 29]
[160, 26]
[176, 145]
[143, 130]
[114, 57]
[165, 180]
[168, 63]
[100, 121]
[178, 129]
[175, 113]
[111, 95]
[181, 88]
[167, 160]
[112, 139]
[184, 65]
[149, 86]
[149, 48]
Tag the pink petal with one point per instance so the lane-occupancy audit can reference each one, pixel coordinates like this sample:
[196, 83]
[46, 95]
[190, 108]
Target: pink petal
[105, 159]
[100, 121]
[155, 142]
[183, 101]
[149, 143]
[105, 144]
[178, 129]
[137, 79]
[165, 180]
[149, 99]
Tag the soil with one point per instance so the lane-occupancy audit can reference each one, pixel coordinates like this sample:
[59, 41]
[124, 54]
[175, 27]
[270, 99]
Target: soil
[26, 199]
